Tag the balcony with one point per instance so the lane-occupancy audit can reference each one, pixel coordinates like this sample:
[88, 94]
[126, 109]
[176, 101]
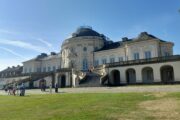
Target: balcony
[144, 61]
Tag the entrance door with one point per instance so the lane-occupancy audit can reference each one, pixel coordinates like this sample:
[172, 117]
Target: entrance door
[63, 81]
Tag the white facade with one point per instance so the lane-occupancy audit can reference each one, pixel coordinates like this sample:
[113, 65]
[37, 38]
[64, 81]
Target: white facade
[78, 52]
[156, 72]
[138, 48]
[44, 64]
[86, 49]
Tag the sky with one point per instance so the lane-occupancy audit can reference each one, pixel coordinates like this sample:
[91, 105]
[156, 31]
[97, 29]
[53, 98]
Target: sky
[31, 27]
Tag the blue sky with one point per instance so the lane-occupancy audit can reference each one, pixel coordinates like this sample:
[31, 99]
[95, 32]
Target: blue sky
[30, 27]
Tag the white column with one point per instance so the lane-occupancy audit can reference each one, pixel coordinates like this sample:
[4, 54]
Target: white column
[138, 75]
[123, 76]
[157, 75]
[176, 68]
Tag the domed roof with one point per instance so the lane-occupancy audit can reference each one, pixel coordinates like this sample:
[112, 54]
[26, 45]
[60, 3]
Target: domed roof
[85, 31]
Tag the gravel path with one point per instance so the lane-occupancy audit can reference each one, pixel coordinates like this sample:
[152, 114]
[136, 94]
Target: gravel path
[124, 89]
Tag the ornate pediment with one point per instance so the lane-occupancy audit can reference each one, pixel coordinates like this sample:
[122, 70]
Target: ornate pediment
[145, 36]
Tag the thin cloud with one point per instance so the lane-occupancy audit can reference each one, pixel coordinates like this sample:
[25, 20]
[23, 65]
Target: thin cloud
[8, 32]
[24, 45]
[4, 31]
[45, 42]
[12, 52]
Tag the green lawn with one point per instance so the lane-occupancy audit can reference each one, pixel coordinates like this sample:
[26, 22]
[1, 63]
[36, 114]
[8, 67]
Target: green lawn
[92, 106]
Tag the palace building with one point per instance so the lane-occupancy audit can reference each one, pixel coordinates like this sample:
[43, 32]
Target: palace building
[88, 58]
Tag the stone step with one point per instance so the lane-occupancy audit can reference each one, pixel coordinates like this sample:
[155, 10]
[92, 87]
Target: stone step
[92, 80]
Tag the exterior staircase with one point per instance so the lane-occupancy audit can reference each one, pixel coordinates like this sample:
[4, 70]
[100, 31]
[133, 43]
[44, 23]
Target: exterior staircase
[91, 80]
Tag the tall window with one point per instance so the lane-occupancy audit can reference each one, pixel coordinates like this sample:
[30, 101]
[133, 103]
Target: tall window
[84, 49]
[120, 59]
[112, 60]
[95, 48]
[25, 70]
[167, 54]
[148, 54]
[85, 64]
[103, 61]
[38, 69]
[96, 63]
[44, 69]
[30, 70]
[54, 68]
[136, 56]
[49, 69]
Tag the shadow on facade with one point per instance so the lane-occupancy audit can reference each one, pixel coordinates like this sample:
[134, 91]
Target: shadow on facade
[147, 75]
[114, 78]
[167, 74]
[131, 76]
[62, 81]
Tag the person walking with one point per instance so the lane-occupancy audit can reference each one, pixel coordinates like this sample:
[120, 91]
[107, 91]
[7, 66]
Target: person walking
[50, 88]
[9, 90]
[22, 90]
[56, 88]
[6, 89]
[14, 90]
[17, 89]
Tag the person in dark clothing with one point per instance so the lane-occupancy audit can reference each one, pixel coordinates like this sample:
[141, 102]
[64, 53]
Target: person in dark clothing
[22, 90]
[56, 88]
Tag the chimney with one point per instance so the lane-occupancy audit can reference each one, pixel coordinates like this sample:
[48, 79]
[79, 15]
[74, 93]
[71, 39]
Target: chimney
[144, 33]
[124, 39]
[53, 53]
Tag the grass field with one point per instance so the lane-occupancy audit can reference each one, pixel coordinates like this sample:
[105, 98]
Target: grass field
[92, 106]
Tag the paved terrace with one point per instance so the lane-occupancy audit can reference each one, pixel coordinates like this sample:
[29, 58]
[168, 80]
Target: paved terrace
[124, 89]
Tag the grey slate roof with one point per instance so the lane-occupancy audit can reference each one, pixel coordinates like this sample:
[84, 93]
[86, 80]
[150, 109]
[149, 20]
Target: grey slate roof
[112, 45]
[86, 31]
[141, 37]
[12, 69]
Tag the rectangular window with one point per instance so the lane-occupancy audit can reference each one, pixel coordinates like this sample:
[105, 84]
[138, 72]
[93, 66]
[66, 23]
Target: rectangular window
[136, 56]
[103, 61]
[120, 59]
[44, 69]
[25, 70]
[54, 68]
[147, 54]
[38, 69]
[167, 54]
[127, 58]
[96, 63]
[30, 70]
[112, 60]
[49, 69]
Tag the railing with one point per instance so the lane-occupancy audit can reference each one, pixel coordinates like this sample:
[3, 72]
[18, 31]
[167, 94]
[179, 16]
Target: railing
[143, 61]
[37, 73]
